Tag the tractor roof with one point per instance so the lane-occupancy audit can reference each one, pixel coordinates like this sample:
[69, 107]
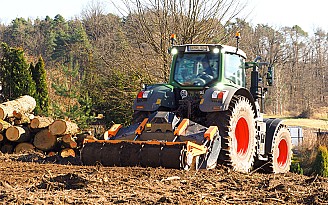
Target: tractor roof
[208, 47]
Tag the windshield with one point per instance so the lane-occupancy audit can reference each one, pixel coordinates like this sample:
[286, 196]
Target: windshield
[196, 69]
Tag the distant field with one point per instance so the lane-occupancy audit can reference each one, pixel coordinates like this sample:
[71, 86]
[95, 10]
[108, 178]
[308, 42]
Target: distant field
[306, 123]
[309, 123]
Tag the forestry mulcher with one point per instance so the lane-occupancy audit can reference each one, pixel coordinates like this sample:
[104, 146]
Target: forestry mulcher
[205, 115]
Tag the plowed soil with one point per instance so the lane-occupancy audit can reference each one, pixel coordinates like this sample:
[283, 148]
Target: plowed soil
[32, 179]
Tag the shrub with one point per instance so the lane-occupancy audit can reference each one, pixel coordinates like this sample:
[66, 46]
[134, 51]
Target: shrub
[307, 113]
[296, 168]
[320, 166]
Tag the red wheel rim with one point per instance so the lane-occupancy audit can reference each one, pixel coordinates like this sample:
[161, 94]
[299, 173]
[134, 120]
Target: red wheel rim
[242, 136]
[283, 152]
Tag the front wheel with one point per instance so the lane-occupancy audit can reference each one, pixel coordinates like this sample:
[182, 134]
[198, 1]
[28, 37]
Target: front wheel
[237, 129]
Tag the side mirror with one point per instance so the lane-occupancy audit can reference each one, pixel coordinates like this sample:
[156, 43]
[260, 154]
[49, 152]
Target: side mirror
[269, 76]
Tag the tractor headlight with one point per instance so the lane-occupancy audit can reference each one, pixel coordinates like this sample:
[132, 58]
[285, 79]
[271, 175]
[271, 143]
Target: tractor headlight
[216, 50]
[174, 51]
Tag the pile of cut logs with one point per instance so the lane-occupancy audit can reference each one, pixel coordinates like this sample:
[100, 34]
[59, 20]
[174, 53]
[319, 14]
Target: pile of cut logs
[21, 131]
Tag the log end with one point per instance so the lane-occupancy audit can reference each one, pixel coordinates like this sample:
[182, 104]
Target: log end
[58, 127]
[17, 114]
[44, 140]
[68, 152]
[2, 114]
[7, 148]
[23, 147]
[12, 134]
[1, 137]
[34, 123]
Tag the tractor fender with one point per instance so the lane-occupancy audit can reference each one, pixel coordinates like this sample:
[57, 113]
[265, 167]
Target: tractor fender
[211, 105]
[160, 95]
[272, 125]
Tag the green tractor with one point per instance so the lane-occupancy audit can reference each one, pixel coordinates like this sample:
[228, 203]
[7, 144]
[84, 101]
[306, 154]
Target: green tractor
[203, 116]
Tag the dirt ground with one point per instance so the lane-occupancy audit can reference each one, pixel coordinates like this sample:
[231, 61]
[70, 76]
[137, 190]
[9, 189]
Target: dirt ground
[32, 179]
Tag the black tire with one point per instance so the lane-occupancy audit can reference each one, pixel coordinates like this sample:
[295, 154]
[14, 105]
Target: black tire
[280, 157]
[139, 116]
[237, 129]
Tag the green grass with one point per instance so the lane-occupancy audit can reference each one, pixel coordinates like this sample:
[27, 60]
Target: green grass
[308, 123]
[304, 122]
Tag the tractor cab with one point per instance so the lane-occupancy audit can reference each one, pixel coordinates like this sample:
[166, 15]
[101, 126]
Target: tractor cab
[205, 65]
[196, 70]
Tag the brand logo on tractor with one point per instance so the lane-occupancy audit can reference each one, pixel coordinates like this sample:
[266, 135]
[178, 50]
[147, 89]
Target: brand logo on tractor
[183, 94]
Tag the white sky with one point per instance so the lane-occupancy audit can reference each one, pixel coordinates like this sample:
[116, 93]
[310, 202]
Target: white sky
[277, 13]
[309, 15]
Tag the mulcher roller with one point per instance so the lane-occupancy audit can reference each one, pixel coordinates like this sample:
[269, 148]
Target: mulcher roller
[126, 153]
[163, 140]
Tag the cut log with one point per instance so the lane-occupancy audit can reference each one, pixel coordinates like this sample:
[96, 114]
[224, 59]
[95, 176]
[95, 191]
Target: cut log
[17, 115]
[40, 122]
[1, 137]
[63, 127]
[23, 119]
[23, 147]
[4, 125]
[69, 142]
[7, 148]
[66, 138]
[24, 104]
[44, 140]
[68, 152]
[18, 134]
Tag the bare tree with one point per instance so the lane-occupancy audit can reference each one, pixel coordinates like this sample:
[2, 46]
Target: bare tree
[195, 21]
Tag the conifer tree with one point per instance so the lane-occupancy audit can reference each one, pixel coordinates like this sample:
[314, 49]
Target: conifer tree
[68, 89]
[41, 95]
[320, 166]
[16, 77]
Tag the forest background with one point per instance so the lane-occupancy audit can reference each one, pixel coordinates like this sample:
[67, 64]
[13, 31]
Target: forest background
[96, 63]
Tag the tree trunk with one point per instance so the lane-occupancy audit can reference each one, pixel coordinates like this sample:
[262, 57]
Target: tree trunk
[4, 125]
[40, 122]
[23, 147]
[44, 140]
[18, 134]
[67, 152]
[24, 104]
[62, 127]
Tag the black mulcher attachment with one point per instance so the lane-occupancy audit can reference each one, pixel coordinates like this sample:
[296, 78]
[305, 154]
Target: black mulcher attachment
[162, 140]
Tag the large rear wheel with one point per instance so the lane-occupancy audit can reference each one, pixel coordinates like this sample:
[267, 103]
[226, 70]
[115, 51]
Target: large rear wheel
[237, 129]
[281, 156]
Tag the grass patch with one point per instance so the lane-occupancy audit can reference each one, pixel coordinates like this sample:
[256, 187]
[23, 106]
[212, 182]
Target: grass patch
[308, 123]
[303, 122]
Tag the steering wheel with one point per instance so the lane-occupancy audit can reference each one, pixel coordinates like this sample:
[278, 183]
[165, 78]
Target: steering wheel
[205, 76]
[199, 81]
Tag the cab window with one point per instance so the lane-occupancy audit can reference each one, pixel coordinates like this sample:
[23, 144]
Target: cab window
[196, 69]
[234, 69]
